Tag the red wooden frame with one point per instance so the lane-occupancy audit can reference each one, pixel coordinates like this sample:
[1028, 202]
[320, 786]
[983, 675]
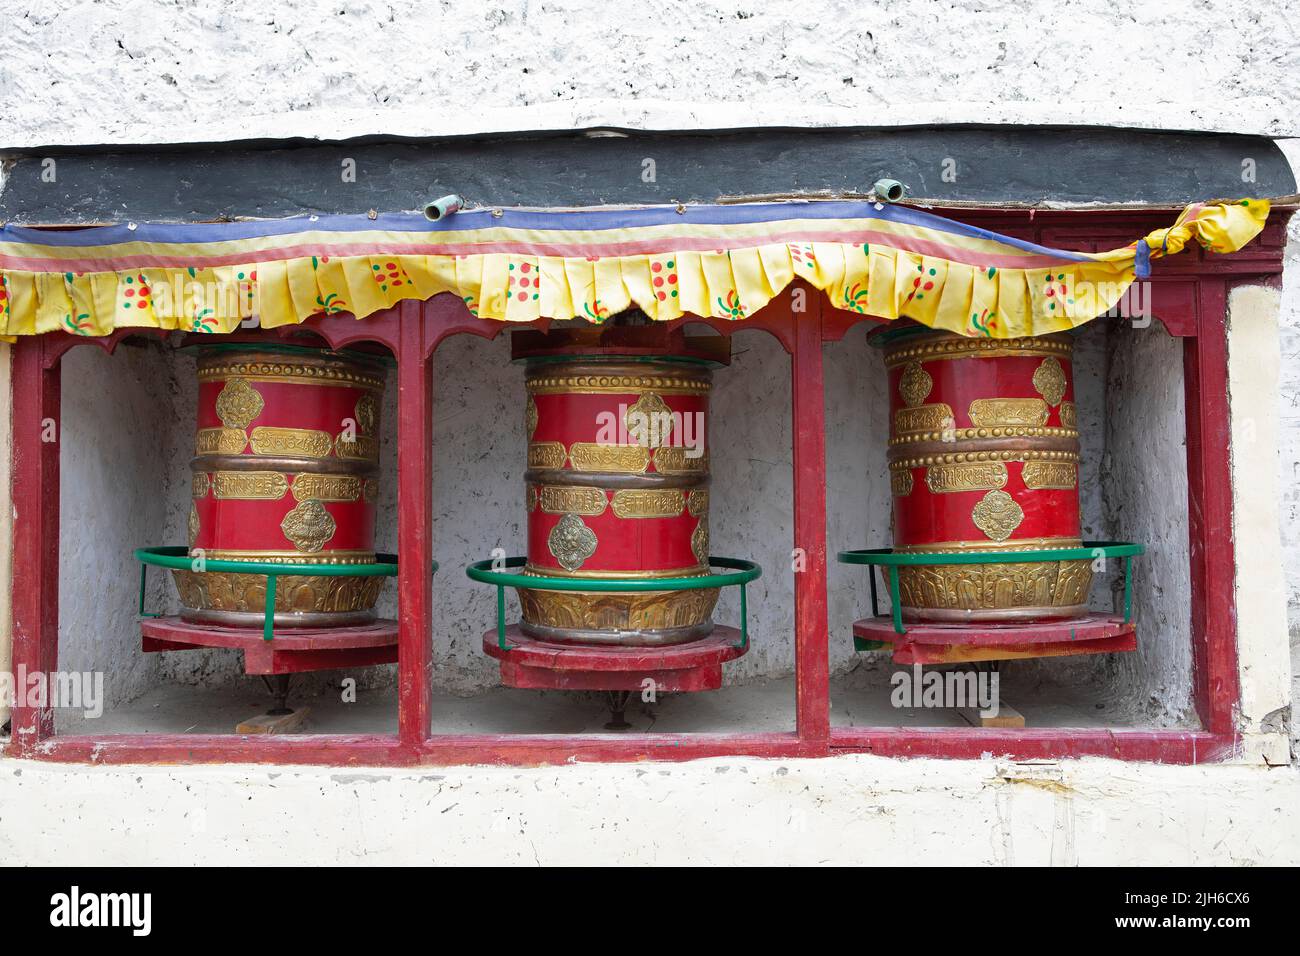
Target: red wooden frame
[1189, 296]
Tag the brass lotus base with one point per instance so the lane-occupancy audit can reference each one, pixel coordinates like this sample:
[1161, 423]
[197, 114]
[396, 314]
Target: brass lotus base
[632, 619]
[213, 597]
[1022, 591]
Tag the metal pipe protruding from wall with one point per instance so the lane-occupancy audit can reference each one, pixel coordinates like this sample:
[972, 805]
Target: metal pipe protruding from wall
[442, 207]
[888, 190]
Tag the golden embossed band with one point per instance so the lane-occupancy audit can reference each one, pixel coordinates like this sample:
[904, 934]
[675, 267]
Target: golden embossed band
[923, 418]
[674, 460]
[1019, 544]
[322, 373]
[692, 571]
[988, 412]
[566, 499]
[291, 557]
[998, 431]
[290, 442]
[220, 441]
[327, 487]
[962, 348]
[357, 448]
[1040, 585]
[617, 384]
[967, 476]
[591, 456]
[1038, 475]
[296, 593]
[1069, 415]
[1021, 454]
[199, 484]
[249, 485]
[648, 610]
[648, 503]
[547, 454]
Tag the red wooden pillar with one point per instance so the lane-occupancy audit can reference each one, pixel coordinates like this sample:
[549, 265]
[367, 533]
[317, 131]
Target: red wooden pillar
[414, 527]
[1209, 505]
[37, 434]
[808, 427]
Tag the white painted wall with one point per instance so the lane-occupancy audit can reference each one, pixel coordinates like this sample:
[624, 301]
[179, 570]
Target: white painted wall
[115, 488]
[1144, 499]
[130, 71]
[847, 810]
[1254, 370]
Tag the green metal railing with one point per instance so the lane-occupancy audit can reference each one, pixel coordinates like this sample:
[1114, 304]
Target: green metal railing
[742, 572]
[886, 557]
[179, 559]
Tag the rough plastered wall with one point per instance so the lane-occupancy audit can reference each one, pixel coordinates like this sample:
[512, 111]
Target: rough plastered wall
[121, 71]
[1144, 498]
[846, 810]
[858, 504]
[115, 493]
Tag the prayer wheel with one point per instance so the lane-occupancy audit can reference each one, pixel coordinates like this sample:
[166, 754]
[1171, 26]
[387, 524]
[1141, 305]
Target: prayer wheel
[617, 485]
[984, 457]
[287, 472]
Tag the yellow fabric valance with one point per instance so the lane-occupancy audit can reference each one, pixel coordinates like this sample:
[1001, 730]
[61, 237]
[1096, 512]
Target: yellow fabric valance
[517, 265]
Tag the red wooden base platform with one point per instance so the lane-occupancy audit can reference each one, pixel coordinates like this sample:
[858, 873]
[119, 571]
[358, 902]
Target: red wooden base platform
[292, 651]
[539, 665]
[958, 643]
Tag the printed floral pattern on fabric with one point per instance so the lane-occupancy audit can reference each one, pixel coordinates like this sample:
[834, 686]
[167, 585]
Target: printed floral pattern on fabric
[524, 283]
[715, 261]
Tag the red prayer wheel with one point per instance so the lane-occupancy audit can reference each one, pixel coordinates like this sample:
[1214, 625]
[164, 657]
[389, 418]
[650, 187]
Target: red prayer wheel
[287, 472]
[984, 456]
[617, 484]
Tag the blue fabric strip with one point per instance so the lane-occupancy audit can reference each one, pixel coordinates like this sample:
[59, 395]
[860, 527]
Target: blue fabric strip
[594, 219]
[1142, 260]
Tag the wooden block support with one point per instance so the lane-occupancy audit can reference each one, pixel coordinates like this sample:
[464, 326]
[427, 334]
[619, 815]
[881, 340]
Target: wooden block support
[274, 723]
[1007, 716]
